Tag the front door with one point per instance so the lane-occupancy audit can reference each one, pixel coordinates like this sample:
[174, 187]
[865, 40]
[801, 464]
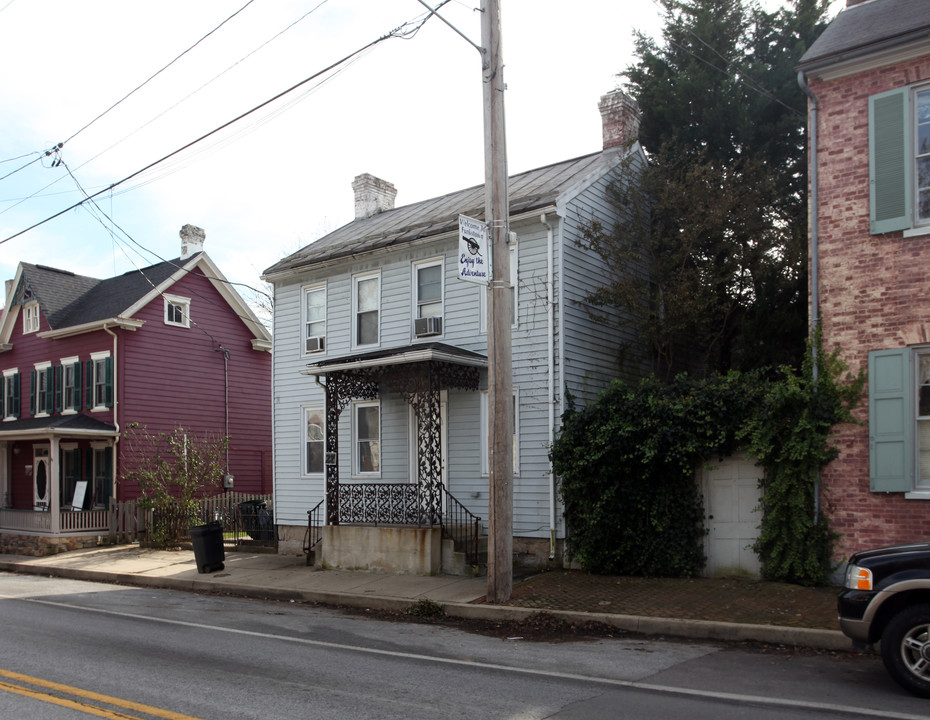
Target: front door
[732, 500]
[41, 478]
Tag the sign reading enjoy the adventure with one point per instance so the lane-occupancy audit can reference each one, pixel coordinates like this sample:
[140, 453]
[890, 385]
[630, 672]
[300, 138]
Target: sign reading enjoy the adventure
[474, 251]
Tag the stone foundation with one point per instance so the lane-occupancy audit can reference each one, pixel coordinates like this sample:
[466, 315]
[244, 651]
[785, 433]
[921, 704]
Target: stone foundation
[41, 545]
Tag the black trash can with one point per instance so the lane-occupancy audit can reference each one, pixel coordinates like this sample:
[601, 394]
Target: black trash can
[208, 547]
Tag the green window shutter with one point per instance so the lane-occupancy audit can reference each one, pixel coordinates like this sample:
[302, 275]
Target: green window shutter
[109, 379]
[889, 161]
[16, 402]
[32, 392]
[49, 390]
[88, 384]
[59, 375]
[891, 444]
[4, 410]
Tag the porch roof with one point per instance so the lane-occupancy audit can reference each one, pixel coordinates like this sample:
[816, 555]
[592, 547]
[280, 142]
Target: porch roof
[406, 355]
[78, 424]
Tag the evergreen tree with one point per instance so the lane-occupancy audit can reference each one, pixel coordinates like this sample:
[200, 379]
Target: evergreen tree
[717, 227]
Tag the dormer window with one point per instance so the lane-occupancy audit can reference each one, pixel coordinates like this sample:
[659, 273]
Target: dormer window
[30, 317]
[177, 311]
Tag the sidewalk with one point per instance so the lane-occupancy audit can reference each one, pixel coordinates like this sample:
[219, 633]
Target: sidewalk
[714, 609]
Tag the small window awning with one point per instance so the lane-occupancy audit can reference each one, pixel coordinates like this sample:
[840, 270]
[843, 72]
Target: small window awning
[406, 355]
[76, 425]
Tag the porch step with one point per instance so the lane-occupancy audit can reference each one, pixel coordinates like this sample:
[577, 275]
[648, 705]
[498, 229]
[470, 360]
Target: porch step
[455, 562]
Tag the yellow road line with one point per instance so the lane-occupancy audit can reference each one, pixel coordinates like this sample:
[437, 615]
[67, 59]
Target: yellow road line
[88, 695]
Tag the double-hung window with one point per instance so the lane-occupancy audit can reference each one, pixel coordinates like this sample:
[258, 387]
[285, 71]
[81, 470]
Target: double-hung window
[366, 305]
[98, 381]
[314, 310]
[367, 437]
[428, 298]
[30, 317]
[68, 384]
[315, 440]
[899, 160]
[102, 473]
[10, 395]
[42, 392]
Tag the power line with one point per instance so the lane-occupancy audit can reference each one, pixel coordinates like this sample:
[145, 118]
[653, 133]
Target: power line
[400, 32]
[159, 72]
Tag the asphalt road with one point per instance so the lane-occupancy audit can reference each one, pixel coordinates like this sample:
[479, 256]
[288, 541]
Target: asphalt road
[72, 649]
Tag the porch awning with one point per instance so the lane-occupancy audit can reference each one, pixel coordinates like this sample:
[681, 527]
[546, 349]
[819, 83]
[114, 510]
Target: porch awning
[76, 425]
[406, 355]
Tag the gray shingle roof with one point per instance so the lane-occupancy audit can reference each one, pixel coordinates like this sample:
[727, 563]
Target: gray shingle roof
[862, 29]
[68, 300]
[527, 191]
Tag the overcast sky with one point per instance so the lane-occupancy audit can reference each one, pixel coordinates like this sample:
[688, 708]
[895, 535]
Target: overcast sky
[406, 110]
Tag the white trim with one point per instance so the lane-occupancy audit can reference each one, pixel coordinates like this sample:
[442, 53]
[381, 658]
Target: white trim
[415, 267]
[304, 291]
[31, 319]
[305, 411]
[95, 358]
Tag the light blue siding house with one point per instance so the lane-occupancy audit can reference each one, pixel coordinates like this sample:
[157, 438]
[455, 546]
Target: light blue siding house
[380, 366]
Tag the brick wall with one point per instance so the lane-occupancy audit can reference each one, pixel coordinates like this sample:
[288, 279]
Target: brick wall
[874, 294]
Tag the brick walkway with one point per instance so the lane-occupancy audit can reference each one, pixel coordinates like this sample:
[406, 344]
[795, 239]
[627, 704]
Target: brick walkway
[727, 600]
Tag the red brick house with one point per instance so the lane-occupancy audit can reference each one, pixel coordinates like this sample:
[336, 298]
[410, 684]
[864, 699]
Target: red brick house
[169, 345]
[868, 77]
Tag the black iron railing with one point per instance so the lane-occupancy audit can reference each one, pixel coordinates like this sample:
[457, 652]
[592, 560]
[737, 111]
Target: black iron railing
[462, 526]
[315, 522]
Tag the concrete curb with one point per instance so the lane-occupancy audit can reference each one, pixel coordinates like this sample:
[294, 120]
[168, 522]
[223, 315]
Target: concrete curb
[832, 640]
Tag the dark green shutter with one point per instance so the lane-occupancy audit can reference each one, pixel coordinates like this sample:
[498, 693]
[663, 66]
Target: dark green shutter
[32, 392]
[889, 161]
[4, 410]
[49, 390]
[108, 394]
[891, 426]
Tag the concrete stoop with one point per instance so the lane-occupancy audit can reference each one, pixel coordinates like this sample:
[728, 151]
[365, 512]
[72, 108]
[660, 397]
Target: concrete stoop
[455, 562]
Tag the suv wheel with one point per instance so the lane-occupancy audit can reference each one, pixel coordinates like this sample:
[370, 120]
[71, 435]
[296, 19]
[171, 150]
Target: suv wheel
[906, 649]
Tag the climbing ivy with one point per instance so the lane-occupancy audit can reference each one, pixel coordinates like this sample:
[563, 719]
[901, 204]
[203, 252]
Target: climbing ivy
[627, 465]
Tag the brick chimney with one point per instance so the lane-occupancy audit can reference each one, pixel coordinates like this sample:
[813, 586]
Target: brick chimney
[372, 196]
[192, 238]
[620, 117]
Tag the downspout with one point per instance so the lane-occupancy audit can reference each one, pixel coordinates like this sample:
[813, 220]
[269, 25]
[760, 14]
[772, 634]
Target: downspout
[226, 397]
[550, 402]
[115, 408]
[814, 259]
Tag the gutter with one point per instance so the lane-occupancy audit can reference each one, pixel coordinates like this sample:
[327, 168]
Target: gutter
[813, 211]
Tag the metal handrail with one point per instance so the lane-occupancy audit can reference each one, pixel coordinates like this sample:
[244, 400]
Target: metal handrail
[314, 529]
[462, 526]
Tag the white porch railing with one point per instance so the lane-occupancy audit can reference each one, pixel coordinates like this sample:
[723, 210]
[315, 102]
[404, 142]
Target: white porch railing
[70, 522]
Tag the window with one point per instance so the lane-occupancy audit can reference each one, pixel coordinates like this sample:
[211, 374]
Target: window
[69, 383]
[485, 428]
[899, 421]
[314, 319]
[30, 317]
[10, 396]
[366, 300]
[428, 277]
[899, 159]
[98, 381]
[103, 474]
[70, 476]
[367, 435]
[42, 392]
[315, 424]
[177, 311]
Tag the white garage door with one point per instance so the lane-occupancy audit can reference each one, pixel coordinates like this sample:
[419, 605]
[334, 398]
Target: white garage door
[732, 505]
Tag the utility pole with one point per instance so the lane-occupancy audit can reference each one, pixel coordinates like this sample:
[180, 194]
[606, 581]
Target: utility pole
[500, 314]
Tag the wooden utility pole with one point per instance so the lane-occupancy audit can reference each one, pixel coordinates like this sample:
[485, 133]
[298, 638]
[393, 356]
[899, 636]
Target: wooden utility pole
[500, 314]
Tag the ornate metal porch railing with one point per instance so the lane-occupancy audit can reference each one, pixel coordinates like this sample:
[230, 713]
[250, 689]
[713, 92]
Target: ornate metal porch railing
[400, 504]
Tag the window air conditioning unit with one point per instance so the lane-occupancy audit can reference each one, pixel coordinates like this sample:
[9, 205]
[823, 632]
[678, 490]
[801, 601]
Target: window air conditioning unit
[426, 326]
[315, 344]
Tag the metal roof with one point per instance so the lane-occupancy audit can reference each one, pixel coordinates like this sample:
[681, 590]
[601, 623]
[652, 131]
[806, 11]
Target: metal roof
[527, 191]
[869, 27]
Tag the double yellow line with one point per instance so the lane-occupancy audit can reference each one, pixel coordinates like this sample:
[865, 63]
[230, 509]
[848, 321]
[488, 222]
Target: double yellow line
[29, 686]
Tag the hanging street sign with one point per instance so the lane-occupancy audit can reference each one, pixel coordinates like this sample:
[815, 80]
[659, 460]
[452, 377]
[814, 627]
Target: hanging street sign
[474, 251]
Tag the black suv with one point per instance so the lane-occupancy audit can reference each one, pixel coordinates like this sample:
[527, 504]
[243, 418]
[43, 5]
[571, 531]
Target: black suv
[887, 599]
